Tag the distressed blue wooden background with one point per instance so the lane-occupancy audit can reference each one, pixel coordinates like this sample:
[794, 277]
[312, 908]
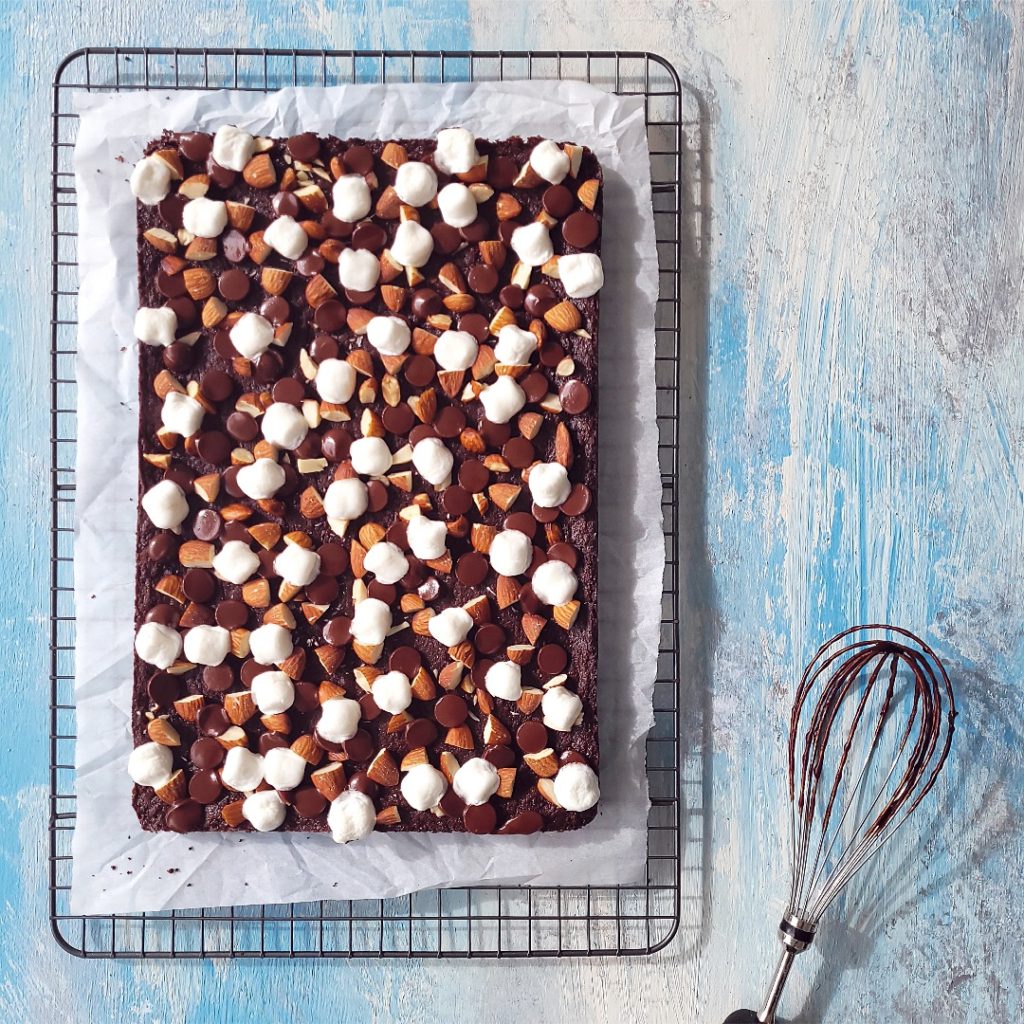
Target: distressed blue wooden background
[863, 457]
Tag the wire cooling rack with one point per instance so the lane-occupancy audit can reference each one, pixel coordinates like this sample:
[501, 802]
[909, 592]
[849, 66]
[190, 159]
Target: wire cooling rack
[487, 921]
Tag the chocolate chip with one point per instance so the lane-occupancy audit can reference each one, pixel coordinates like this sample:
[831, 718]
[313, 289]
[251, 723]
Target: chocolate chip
[206, 752]
[333, 558]
[335, 226]
[525, 823]
[575, 397]
[184, 816]
[580, 229]
[213, 720]
[532, 737]
[289, 391]
[398, 535]
[330, 316]
[482, 279]
[552, 659]
[474, 476]
[429, 588]
[214, 447]
[478, 673]
[335, 444]
[419, 371]
[406, 660]
[480, 819]
[421, 431]
[523, 522]
[198, 585]
[307, 697]
[250, 670]
[370, 711]
[420, 732]
[270, 741]
[338, 631]
[451, 803]
[535, 386]
[163, 613]
[362, 783]
[181, 475]
[557, 200]
[323, 590]
[164, 546]
[233, 285]
[222, 345]
[471, 569]
[195, 146]
[205, 787]
[308, 802]
[163, 689]
[450, 422]
[178, 357]
[539, 299]
[512, 296]
[171, 286]
[551, 353]
[451, 710]
[495, 434]
[242, 426]
[489, 638]
[544, 515]
[563, 552]
[232, 614]
[323, 347]
[376, 495]
[304, 147]
[578, 501]
[207, 525]
[222, 177]
[358, 159]
[446, 238]
[360, 747]
[571, 757]
[310, 263]
[369, 236]
[518, 452]
[500, 756]
[477, 231]
[171, 210]
[277, 311]
[286, 205]
[235, 246]
[456, 501]
[398, 419]
[426, 302]
[475, 324]
[501, 171]
[269, 367]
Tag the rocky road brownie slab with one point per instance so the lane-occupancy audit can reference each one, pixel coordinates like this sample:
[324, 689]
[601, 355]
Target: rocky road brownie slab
[366, 594]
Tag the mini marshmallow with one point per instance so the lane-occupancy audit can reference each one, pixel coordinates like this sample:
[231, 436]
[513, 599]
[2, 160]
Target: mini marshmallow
[389, 335]
[156, 325]
[581, 274]
[252, 335]
[415, 183]
[207, 645]
[550, 161]
[456, 151]
[450, 626]
[181, 414]
[335, 381]
[285, 236]
[386, 561]
[346, 499]
[265, 810]
[426, 537]
[457, 205]
[204, 217]
[423, 786]
[576, 787]
[242, 770]
[504, 679]
[233, 147]
[235, 562]
[273, 692]
[532, 244]
[298, 565]
[476, 781]
[432, 460]
[358, 269]
[392, 692]
[270, 644]
[166, 505]
[514, 346]
[502, 400]
[413, 244]
[339, 719]
[370, 456]
[262, 479]
[549, 484]
[455, 350]
[150, 181]
[283, 768]
[561, 708]
[157, 644]
[511, 553]
[554, 582]
[284, 426]
[371, 621]
[150, 764]
[351, 816]
[351, 196]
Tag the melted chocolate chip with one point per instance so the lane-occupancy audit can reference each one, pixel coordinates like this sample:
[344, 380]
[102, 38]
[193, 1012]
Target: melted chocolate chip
[206, 752]
[532, 737]
[207, 525]
[304, 147]
[450, 710]
[480, 820]
[184, 816]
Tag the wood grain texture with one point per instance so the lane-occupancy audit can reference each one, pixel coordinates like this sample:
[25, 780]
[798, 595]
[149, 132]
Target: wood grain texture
[855, 450]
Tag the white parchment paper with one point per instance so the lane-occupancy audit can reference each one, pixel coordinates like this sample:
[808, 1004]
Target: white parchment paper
[118, 867]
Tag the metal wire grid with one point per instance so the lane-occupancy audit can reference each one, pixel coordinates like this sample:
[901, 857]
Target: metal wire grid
[486, 921]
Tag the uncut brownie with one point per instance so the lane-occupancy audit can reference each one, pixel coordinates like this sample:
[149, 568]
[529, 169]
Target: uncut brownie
[366, 588]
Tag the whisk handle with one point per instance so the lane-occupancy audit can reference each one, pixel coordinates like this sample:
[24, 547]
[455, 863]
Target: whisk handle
[742, 1017]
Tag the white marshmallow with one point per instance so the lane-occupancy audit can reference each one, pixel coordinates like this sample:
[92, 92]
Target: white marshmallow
[456, 151]
[242, 770]
[156, 325]
[285, 236]
[514, 346]
[432, 460]
[181, 414]
[166, 505]
[284, 426]
[554, 582]
[151, 180]
[298, 565]
[346, 499]
[270, 644]
[252, 335]
[358, 269]
[204, 217]
[386, 561]
[150, 764]
[157, 644]
[426, 537]
[265, 810]
[233, 147]
[416, 183]
[450, 626]
[283, 768]
[504, 679]
[273, 692]
[351, 197]
[423, 786]
[457, 205]
[561, 708]
[339, 719]
[550, 161]
[389, 335]
[476, 781]
[413, 244]
[235, 562]
[351, 816]
[335, 381]
[502, 400]
[549, 484]
[581, 274]
[392, 692]
[532, 244]
[371, 621]
[262, 479]
[576, 787]
[370, 456]
[455, 350]
[207, 645]
[511, 553]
